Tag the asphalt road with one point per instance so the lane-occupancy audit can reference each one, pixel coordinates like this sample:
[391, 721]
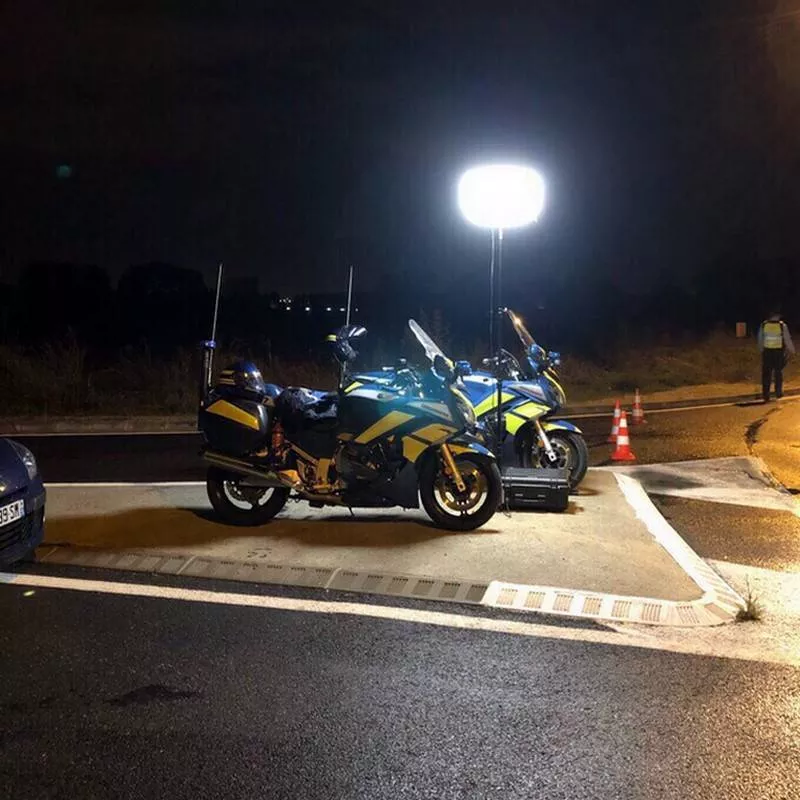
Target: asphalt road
[106, 696]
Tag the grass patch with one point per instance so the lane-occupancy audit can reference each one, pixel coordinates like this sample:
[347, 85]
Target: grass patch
[69, 379]
[670, 364]
[753, 610]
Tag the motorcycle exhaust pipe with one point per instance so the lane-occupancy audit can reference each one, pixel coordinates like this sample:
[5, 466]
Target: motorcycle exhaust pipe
[266, 477]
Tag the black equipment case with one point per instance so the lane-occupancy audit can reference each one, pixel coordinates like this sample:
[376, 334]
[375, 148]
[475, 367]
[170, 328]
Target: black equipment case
[547, 489]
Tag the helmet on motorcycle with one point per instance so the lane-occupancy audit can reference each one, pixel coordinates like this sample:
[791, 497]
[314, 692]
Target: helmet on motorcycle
[343, 350]
[245, 378]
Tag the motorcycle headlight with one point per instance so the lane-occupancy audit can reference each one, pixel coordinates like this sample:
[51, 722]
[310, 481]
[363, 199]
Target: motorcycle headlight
[465, 408]
[27, 458]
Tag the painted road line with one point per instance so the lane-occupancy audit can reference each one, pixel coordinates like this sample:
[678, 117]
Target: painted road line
[127, 485]
[620, 637]
[79, 434]
[726, 404]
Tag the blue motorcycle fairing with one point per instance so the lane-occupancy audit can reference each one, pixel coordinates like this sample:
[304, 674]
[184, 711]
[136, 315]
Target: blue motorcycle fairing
[469, 442]
[560, 425]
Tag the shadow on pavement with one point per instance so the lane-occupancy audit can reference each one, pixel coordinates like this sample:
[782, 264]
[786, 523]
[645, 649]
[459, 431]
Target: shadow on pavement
[170, 527]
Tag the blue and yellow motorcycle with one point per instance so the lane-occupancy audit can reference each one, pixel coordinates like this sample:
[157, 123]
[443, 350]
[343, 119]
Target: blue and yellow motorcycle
[531, 398]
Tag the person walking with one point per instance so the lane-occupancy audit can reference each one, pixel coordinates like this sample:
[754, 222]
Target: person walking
[775, 344]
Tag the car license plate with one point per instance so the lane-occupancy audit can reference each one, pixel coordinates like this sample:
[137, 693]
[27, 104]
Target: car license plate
[12, 512]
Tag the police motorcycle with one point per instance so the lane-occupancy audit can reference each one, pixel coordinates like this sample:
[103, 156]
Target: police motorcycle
[362, 448]
[531, 396]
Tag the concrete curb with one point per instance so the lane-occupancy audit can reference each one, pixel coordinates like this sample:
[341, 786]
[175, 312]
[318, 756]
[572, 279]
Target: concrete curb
[716, 605]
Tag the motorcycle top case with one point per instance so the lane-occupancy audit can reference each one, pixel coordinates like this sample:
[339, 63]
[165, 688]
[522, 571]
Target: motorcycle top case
[547, 489]
[234, 422]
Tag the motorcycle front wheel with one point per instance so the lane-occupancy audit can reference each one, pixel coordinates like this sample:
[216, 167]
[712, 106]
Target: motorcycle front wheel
[457, 510]
[571, 451]
[238, 503]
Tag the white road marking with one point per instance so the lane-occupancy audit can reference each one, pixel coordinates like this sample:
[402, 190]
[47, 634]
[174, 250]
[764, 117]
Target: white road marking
[76, 434]
[755, 401]
[126, 485]
[668, 640]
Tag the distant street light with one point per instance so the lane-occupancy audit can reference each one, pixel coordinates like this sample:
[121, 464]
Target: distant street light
[498, 197]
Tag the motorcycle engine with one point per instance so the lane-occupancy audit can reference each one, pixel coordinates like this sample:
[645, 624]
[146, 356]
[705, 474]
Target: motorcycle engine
[359, 462]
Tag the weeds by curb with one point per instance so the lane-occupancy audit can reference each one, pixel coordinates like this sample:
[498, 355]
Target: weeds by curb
[753, 610]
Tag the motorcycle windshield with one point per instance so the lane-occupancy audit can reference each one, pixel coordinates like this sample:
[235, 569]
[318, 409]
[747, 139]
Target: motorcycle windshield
[519, 326]
[431, 348]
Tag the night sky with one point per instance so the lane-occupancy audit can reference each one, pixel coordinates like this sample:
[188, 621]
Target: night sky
[290, 139]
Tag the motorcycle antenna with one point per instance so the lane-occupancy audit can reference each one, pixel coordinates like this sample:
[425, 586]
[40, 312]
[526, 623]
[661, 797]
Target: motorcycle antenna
[342, 366]
[216, 303]
[349, 296]
[209, 345]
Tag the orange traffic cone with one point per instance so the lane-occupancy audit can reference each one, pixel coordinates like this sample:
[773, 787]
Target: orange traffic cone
[638, 411]
[623, 451]
[612, 437]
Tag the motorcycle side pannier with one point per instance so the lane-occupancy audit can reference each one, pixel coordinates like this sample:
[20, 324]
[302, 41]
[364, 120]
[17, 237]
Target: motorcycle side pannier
[236, 417]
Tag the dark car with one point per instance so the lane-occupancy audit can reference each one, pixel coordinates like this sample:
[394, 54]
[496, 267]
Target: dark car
[21, 503]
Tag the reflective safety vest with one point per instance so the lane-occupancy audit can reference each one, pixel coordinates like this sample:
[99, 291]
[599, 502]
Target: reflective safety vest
[773, 335]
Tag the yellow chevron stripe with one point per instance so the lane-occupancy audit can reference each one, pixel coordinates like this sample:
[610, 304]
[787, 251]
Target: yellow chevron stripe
[491, 402]
[225, 409]
[392, 420]
[354, 385]
[435, 433]
[413, 448]
[517, 417]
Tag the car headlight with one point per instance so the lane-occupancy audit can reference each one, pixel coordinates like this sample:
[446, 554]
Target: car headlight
[27, 458]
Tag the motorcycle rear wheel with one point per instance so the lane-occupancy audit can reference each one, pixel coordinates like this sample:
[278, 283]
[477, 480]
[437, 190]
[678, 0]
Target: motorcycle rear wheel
[461, 511]
[242, 505]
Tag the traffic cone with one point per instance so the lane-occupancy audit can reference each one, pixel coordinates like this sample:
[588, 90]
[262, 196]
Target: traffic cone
[638, 412]
[623, 451]
[612, 437]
